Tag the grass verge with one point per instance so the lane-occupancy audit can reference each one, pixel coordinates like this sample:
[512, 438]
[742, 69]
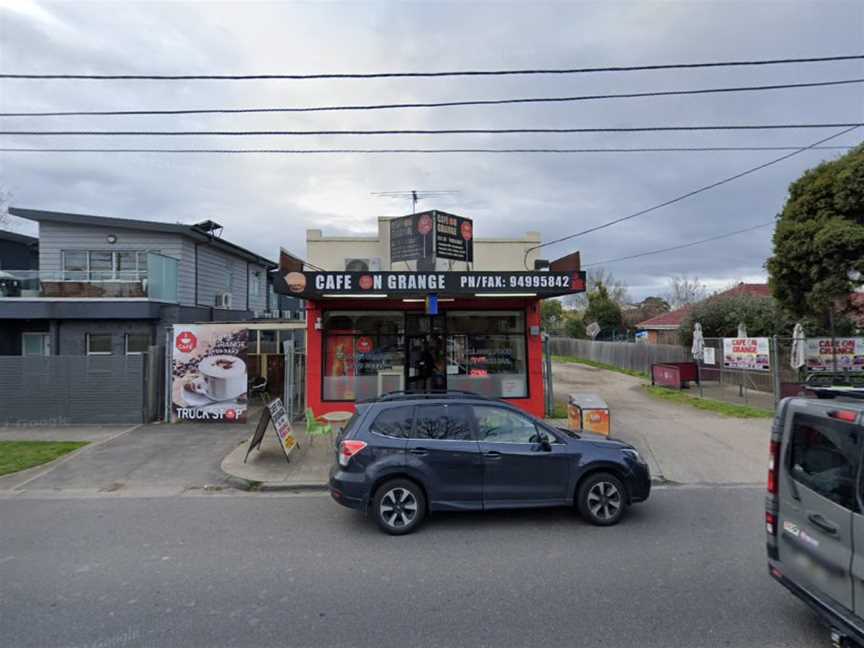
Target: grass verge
[559, 411]
[20, 455]
[599, 365]
[719, 407]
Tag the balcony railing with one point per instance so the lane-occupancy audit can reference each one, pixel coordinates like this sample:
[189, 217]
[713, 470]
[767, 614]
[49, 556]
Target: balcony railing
[158, 282]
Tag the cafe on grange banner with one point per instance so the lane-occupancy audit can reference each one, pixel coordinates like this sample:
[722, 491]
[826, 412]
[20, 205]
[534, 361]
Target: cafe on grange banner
[374, 332]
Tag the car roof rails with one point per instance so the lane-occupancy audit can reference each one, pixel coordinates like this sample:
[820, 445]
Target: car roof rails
[424, 395]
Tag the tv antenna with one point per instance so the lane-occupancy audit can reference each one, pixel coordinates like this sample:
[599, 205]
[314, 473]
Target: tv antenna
[415, 195]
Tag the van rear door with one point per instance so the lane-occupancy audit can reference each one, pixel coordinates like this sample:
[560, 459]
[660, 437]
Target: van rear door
[818, 496]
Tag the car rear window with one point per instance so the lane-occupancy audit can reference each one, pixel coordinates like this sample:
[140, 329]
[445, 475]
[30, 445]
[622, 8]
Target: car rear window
[394, 422]
[824, 455]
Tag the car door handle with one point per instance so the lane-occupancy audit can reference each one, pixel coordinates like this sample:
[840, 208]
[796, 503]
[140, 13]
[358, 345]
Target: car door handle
[492, 454]
[419, 451]
[823, 524]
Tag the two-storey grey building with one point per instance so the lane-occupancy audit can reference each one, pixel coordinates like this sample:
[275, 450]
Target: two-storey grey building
[114, 285]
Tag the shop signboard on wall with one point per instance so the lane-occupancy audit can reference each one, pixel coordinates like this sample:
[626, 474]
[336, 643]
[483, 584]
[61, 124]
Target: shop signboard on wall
[454, 237]
[849, 353]
[410, 237]
[209, 376]
[311, 285]
[747, 353]
[431, 234]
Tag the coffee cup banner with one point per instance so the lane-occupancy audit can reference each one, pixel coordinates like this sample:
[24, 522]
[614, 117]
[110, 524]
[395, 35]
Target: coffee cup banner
[209, 373]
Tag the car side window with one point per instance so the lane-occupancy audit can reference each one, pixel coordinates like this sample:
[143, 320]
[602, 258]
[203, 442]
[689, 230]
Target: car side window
[824, 456]
[499, 425]
[394, 422]
[443, 422]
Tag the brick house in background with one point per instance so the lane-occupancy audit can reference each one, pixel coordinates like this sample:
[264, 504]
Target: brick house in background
[663, 329]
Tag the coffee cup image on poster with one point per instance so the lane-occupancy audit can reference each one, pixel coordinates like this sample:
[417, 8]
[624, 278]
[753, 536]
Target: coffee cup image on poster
[209, 373]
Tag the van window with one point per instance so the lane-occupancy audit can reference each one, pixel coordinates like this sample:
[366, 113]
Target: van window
[443, 422]
[824, 455]
[394, 422]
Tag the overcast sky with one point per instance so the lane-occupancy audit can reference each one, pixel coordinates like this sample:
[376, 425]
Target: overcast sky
[266, 202]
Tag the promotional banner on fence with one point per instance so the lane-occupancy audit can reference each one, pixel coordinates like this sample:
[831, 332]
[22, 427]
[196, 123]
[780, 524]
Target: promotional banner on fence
[849, 353]
[209, 377]
[747, 353]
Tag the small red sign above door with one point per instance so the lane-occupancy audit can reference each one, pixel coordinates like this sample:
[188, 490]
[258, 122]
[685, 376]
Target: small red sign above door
[364, 344]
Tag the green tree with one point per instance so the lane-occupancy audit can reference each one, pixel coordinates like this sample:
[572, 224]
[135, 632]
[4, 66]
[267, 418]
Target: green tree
[818, 258]
[603, 309]
[574, 325]
[719, 317]
[552, 315]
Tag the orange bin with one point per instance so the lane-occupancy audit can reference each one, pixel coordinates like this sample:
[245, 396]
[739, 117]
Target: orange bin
[588, 413]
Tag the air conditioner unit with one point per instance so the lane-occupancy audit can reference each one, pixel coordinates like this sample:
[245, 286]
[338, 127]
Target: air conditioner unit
[223, 300]
[372, 264]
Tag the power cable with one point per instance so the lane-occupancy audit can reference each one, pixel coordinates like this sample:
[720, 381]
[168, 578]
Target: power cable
[216, 151]
[445, 131]
[678, 247]
[436, 104]
[381, 75]
[689, 194]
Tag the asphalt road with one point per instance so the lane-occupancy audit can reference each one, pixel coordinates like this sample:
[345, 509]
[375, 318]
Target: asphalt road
[687, 569]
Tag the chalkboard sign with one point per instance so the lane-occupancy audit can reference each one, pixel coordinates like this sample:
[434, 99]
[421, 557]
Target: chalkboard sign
[274, 413]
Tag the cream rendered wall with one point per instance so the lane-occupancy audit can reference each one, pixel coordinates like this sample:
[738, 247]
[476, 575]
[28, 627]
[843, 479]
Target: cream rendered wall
[330, 252]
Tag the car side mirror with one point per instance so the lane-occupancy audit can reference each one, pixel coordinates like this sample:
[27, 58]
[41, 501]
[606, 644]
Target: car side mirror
[544, 444]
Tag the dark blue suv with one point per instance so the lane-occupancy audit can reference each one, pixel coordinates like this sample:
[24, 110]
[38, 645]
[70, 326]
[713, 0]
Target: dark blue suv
[403, 455]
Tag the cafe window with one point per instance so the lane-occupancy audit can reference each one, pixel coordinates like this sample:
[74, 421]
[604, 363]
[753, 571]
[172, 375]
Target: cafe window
[98, 344]
[486, 353]
[361, 349]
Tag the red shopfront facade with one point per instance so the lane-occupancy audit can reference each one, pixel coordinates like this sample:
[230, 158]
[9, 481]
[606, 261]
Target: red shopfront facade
[373, 333]
[358, 350]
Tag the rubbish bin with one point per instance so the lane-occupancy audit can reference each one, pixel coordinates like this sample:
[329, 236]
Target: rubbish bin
[588, 413]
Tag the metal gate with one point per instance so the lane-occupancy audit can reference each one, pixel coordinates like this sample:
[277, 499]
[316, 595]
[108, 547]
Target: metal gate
[295, 379]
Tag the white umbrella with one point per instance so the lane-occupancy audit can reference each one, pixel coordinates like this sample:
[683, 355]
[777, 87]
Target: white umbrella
[742, 330]
[799, 343]
[698, 348]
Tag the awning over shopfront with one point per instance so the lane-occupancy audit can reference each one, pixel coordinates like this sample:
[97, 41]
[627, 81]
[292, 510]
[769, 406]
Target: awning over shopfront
[323, 285]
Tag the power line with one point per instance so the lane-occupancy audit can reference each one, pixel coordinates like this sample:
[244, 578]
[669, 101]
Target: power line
[275, 151]
[444, 131]
[679, 247]
[380, 75]
[689, 194]
[436, 104]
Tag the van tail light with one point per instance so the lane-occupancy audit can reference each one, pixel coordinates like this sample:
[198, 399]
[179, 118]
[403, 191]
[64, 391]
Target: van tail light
[770, 523]
[773, 464]
[349, 448]
[844, 415]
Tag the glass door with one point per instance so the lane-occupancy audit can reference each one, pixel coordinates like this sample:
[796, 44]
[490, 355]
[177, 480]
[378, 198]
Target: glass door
[426, 358]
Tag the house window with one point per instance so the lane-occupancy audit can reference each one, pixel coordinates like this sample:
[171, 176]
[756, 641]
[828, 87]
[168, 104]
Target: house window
[255, 284]
[34, 344]
[137, 343]
[104, 265]
[98, 344]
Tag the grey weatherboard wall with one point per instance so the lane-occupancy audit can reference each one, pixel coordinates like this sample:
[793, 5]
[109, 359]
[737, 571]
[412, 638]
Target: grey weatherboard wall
[71, 389]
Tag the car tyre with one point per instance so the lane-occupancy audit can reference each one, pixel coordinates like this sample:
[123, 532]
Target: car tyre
[602, 499]
[399, 506]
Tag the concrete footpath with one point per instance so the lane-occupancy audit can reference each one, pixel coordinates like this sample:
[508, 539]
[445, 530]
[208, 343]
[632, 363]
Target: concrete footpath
[682, 444]
[267, 469]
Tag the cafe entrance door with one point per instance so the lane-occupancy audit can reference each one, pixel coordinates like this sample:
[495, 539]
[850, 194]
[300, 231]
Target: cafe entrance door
[425, 342]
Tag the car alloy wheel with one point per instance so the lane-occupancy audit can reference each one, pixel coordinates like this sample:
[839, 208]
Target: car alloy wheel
[399, 506]
[604, 501]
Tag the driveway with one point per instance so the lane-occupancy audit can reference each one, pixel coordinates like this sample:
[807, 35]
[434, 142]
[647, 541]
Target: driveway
[682, 444]
[164, 458]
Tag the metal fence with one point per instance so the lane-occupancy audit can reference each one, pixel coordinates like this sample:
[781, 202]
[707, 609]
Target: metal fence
[624, 355]
[64, 390]
[756, 387]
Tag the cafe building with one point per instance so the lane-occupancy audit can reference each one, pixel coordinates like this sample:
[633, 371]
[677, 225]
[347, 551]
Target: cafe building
[424, 306]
